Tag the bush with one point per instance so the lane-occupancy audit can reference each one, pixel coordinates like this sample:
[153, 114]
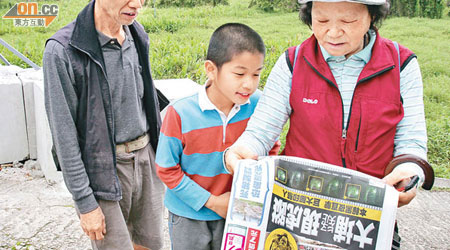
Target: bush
[155, 25]
[417, 8]
[438, 151]
[271, 5]
[190, 3]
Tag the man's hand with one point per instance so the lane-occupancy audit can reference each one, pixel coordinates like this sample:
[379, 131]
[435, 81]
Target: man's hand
[93, 224]
[219, 204]
[398, 179]
[236, 153]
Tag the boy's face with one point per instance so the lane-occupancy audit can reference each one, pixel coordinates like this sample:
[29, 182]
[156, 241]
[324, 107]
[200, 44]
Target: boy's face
[235, 81]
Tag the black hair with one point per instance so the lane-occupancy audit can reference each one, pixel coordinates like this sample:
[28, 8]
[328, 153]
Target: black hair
[377, 13]
[232, 39]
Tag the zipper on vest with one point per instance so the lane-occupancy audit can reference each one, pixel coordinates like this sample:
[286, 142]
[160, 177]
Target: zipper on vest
[343, 144]
[344, 129]
[351, 102]
[357, 135]
[112, 117]
[109, 91]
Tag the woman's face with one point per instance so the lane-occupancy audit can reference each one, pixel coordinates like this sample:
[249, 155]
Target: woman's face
[340, 26]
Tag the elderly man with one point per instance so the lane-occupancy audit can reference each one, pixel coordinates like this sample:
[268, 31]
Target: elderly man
[103, 111]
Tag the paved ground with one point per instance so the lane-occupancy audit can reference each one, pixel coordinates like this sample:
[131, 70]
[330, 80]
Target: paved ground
[36, 215]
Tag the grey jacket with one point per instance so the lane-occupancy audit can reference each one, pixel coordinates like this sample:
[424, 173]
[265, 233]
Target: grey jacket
[81, 76]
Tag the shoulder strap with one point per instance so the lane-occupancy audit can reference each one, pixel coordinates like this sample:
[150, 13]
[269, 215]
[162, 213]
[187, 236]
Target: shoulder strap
[399, 66]
[296, 54]
[291, 64]
[398, 52]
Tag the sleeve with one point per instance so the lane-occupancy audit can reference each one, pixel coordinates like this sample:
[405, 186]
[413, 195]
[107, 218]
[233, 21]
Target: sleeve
[168, 159]
[411, 134]
[275, 149]
[61, 104]
[271, 112]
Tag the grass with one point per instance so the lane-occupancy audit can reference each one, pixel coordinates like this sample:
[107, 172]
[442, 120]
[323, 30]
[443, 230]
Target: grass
[179, 39]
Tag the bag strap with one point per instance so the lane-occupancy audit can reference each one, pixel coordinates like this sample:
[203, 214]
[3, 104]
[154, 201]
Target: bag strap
[398, 52]
[399, 66]
[295, 57]
[291, 64]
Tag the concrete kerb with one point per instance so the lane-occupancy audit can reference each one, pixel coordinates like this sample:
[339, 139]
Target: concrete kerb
[22, 104]
[441, 183]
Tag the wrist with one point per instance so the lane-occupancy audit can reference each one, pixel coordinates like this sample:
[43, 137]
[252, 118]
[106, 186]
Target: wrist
[210, 202]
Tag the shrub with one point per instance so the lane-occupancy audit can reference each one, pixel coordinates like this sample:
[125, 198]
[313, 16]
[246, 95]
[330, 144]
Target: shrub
[438, 150]
[155, 25]
[271, 5]
[417, 8]
[190, 3]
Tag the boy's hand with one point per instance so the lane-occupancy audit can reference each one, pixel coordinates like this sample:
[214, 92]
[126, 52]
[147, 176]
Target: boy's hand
[236, 153]
[398, 179]
[219, 204]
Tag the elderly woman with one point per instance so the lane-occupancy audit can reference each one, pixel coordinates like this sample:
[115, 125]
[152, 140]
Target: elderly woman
[353, 98]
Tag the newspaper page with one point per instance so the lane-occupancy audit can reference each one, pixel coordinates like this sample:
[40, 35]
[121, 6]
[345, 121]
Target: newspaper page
[293, 203]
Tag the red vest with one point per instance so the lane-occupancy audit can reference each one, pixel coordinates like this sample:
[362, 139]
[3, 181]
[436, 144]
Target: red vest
[317, 128]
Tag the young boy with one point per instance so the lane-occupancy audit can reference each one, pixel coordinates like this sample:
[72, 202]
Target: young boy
[197, 129]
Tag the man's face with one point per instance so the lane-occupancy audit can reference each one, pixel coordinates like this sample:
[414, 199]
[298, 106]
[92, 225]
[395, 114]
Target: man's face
[123, 12]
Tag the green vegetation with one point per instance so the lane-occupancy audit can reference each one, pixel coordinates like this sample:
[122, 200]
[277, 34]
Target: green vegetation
[271, 5]
[417, 8]
[179, 39]
[188, 3]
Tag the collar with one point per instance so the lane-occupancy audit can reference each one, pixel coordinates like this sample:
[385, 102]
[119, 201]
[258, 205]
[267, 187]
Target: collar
[365, 54]
[382, 58]
[85, 27]
[205, 103]
[104, 39]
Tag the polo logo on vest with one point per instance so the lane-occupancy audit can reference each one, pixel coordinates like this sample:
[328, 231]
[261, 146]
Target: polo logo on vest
[310, 101]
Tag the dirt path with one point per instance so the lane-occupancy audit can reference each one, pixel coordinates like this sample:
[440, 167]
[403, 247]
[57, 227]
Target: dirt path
[36, 215]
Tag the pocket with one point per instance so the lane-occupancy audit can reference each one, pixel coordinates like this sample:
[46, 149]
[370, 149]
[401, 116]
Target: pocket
[381, 119]
[376, 131]
[357, 135]
[139, 80]
[124, 157]
[174, 219]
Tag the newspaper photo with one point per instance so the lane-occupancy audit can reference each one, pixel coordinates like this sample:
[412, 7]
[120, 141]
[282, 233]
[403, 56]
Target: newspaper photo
[292, 203]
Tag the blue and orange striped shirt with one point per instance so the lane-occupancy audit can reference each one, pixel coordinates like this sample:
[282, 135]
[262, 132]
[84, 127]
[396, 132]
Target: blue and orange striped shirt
[189, 158]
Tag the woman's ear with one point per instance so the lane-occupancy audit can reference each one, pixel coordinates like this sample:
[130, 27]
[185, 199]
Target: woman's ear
[211, 70]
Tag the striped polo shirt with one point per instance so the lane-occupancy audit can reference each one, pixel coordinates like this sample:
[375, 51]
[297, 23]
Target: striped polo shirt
[189, 157]
[346, 71]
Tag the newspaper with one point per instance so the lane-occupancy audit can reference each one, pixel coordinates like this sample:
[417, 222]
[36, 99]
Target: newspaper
[292, 203]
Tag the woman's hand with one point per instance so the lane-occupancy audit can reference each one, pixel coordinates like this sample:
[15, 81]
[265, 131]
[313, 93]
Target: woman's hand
[399, 178]
[235, 153]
